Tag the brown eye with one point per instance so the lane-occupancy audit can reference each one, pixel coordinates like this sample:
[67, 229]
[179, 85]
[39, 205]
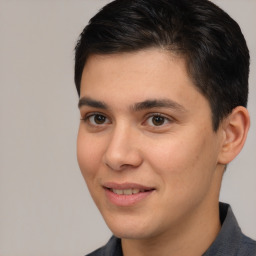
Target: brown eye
[157, 120]
[98, 119]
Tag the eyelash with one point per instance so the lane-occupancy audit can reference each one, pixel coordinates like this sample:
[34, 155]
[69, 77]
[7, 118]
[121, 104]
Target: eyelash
[88, 116]
[147, 118]
[158, 115]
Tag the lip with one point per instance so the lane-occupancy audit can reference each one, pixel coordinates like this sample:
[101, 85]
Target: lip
[126, 200]
[126, 185]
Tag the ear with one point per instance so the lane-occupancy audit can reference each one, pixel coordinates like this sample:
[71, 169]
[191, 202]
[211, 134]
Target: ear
[235, 128]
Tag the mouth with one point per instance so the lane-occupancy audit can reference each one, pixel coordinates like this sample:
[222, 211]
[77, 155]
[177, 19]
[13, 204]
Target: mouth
[129, 191]
[126, 194]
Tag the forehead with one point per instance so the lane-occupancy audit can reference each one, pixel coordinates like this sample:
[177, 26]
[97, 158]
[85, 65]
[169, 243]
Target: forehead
[138, 76]
[140, 66]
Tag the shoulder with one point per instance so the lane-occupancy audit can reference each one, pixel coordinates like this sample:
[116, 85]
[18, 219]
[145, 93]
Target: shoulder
[97, 252]
[230, 240]
[112, 248]
[247, 247]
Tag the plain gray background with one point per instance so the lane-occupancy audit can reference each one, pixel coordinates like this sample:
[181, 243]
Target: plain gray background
[45, 208]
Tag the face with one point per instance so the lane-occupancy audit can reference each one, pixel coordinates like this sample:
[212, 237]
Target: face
[146, 147]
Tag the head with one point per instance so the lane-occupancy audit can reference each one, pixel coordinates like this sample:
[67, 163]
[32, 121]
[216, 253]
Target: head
[163, 90]
[210, 41]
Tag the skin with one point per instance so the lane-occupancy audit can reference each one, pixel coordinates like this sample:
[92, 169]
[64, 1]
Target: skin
[178, 155]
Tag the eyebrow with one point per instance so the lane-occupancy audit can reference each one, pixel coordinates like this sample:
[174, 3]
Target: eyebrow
[158, 103]
[86, 101]
[147, 104]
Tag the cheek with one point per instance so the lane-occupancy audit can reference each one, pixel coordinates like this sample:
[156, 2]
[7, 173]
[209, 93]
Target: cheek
[88, 155]
[185, 172]
[183, 162]
[171, 155]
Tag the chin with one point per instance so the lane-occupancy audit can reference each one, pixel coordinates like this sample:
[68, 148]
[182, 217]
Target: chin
[130, 234]
[131, 229]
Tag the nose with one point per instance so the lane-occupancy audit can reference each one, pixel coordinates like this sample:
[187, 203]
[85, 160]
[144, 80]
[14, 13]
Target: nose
[123, 150]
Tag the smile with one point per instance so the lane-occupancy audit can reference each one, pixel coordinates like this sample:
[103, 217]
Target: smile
[126, 191]
[127, 194]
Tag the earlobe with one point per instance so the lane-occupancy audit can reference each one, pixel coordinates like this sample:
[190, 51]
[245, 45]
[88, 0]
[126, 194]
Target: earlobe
[235, 129]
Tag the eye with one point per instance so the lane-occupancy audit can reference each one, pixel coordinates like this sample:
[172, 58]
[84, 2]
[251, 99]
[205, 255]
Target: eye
[157, 120]
[96, 119]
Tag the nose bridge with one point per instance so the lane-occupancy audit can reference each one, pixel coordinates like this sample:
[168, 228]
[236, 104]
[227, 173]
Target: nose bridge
[122, 149]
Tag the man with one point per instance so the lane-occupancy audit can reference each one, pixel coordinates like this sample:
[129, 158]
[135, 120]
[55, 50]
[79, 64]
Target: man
[163, 88]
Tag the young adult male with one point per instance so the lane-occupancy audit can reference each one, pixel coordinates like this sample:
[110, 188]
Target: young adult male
[163, 90]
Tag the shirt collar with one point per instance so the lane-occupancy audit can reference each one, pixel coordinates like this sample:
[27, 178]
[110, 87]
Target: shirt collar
[230, 236]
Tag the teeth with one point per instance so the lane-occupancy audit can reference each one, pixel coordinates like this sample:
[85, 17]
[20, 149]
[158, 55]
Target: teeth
[118, 191]
[126, 191]
[136, 191]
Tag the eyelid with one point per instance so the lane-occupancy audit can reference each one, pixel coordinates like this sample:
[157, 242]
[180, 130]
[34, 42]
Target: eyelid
[91, 113]
[150, 115]
[86, 117]
[158, 114]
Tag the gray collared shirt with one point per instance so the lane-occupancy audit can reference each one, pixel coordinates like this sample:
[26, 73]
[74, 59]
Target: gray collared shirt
[229, 242]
